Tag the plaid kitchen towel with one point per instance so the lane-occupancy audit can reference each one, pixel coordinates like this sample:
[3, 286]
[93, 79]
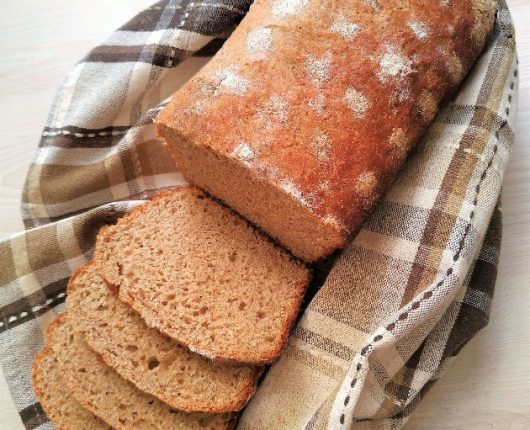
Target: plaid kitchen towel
[382, 323]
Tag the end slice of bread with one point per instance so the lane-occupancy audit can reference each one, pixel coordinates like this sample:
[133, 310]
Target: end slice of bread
[60, 407]
[105, 393]
[153, 362]
[204, 276]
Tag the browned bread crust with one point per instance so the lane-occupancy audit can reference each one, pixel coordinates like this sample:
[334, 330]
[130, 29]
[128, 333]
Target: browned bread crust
[306, 114]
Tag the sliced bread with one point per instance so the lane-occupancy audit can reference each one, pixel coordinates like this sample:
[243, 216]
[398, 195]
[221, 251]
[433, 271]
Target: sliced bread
[153, 362]
[118, 402]
[60, 407]
[204, 276]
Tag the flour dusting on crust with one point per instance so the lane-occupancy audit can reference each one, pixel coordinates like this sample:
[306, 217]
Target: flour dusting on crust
[276, 107]
[400, 94]
[420, 29]
[324, 186]
[197, 108]
[393, 64]
[428, 105]
[344, 28]
[244, 152]
[356, 101]
[319, 67]
[398, 142]
[455, 68]
[259, 42]
[318, 104]
[230, 81]
[320, 145]
[373, 3]
[366, 184]
[290, 188]
[285, 8]
[331, 220]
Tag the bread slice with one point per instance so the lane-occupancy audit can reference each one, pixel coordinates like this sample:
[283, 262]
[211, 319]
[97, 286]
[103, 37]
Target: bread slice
[202, 275]
[118, 402]
[153, 362]
[60, 407]
[305, 116]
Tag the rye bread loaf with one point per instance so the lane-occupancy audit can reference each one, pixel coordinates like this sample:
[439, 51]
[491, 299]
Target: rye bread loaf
[203, 276]
[306, 114]
[105, 393]
[153, 362]
[60, 407]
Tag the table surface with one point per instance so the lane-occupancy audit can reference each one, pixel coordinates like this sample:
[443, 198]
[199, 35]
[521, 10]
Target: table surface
[488, 386]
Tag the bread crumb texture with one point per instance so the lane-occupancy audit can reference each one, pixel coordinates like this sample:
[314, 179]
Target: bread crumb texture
[204, 276]
[151, 361]
[57, 402]
[102, 391]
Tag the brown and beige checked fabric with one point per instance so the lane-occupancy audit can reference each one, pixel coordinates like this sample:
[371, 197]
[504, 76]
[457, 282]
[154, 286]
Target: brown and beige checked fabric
[382, 322]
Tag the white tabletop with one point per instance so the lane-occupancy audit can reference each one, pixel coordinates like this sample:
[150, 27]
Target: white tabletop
[488, 386]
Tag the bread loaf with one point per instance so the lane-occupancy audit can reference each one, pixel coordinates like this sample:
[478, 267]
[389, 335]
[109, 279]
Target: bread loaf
[203, 276]
[60, 407]
[154, 363]
[304, 117]
[118, 402]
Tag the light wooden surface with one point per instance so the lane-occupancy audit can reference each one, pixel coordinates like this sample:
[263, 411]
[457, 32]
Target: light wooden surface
[488, 386]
